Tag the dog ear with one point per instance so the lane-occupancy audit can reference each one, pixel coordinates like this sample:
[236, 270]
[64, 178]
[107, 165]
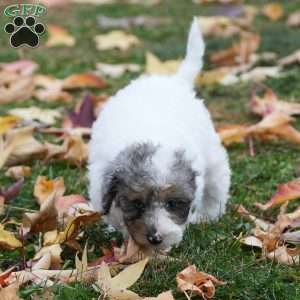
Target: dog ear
[110, 193]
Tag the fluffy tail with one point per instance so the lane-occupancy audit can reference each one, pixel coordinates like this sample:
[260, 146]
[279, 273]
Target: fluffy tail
[193, 61]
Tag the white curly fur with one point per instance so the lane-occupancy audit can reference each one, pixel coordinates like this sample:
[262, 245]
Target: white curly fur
[164, 110]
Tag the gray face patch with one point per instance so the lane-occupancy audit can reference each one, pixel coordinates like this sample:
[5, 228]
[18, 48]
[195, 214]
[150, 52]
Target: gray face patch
[132, 182]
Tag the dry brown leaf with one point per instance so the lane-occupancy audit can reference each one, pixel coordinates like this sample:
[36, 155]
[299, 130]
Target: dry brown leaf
[10, 292]
[240, 53]
[59, 36]
[8, 240]
[44, 187]
[273, 126]
[84, 80]
[285, 192]
[293, 58]
[73, 149]
[49, 89]
[199, 283]
[282, 256]
[273, 11]
[116, 39]
[19, 146]
[155, 66]
[43, 220]
[73, 226]
[294, 19]
[53, 252]
[46, 116]
[18, 172]
[218, 26]
[231, 134]
[270, 103]
[15, 87]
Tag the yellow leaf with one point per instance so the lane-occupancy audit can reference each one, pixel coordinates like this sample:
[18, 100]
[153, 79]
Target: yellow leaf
[8, 122]
[8, 240]
[155, 66]
[59, 36]
[116, 39]
[273, 11]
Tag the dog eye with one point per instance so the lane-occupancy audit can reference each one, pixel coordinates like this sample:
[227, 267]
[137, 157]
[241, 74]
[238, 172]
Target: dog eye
[173, 204]
[138, 204]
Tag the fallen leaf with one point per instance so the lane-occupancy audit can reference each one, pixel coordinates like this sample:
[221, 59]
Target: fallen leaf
[128, 22]
[155, 66]
[8, 122]
[10, 292]
[46, 116]
[290, 59]
[15, 87]
[12, 191]
[54, 256]
[218, 26]
[285, 192]
[49, 89]
[252, 241]
[8, 240]
[270, 103]
[19, 146]
[273, 11]
[43, 220]
[282, 256]
[73, 149]
[18, 172]
[294, 19]
[65, 203]
[117, 287]
[199, 283]
[239, 53]
[83, 116]
[116, 39]
[59, 36]
[231, 134]
[162, 296]
[23, 67]
[116, 70]
[44, 187]
[84, 80]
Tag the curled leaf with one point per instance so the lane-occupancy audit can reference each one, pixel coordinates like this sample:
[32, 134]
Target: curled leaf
[200, 283]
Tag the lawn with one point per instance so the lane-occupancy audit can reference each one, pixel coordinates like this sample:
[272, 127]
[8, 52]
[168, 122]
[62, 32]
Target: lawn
[213, 248]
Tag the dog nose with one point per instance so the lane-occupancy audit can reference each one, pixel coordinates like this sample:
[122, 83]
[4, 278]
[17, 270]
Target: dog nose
[154, 238]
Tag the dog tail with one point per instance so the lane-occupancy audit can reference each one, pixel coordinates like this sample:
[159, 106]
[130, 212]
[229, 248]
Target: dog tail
[193, 61]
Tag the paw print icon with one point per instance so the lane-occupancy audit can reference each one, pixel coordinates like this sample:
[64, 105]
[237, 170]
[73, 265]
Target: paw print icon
[24, 31]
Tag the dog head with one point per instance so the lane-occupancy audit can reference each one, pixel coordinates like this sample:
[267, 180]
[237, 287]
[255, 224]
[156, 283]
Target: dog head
[153, 204]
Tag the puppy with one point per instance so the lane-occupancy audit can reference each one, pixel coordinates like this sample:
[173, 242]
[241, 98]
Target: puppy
[156, 162]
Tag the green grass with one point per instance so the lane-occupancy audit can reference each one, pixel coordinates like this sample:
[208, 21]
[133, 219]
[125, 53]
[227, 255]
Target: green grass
[211, 247]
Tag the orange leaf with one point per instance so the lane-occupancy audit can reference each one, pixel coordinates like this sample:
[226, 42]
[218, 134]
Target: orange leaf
[285, 192]
[84, 80]
[200, 283]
